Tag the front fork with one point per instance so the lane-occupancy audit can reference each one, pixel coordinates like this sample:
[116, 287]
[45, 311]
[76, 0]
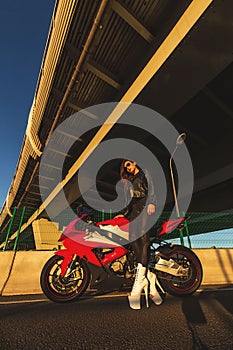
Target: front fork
[67, 262]
[70, 266]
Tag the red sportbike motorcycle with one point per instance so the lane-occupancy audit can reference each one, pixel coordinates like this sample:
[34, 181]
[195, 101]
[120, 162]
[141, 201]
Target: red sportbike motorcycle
[99, 257]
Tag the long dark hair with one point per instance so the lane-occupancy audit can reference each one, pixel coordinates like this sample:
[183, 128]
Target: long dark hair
[125, 175]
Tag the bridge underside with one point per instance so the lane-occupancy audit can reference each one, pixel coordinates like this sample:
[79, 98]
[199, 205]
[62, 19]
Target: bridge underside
[99, 61]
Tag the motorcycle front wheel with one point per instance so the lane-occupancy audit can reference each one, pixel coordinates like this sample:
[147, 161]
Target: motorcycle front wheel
[64, 289]
[182, 285]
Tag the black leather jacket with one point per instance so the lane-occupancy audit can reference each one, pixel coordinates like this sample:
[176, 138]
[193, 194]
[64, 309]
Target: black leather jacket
[140, 184]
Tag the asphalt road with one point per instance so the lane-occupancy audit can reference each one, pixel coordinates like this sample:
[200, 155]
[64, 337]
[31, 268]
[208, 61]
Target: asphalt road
[201, 321]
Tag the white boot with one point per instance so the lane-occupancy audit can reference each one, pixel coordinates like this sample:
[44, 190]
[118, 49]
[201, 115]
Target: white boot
[154, 294]
[140, 284]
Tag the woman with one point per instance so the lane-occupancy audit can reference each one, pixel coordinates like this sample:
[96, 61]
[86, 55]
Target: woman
[139, 229]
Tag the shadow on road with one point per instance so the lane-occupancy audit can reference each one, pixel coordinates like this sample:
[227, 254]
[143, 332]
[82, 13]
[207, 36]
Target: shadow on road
[194, 316]
[223, 295]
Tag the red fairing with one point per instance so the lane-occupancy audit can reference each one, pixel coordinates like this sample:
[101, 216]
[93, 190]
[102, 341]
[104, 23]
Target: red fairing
[71, 227]
[122, 222]
[169, 226]
[115, 254]
[77, 242]
[85, 252]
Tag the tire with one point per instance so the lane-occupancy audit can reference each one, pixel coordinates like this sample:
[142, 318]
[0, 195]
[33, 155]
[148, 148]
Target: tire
[184, 285]
[64, 289]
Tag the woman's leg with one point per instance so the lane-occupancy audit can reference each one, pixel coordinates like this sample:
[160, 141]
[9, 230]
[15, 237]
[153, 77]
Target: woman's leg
[141, 249]
[145, 248]
[140, 243]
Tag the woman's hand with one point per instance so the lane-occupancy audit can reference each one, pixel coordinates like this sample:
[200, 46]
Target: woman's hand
[150, 209]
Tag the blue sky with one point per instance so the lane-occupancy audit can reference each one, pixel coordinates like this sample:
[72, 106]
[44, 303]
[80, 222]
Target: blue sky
[24, 26]
[219, 239]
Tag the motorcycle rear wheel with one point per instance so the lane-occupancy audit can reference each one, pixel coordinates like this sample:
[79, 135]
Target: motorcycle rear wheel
[184, 285]
[64, 289]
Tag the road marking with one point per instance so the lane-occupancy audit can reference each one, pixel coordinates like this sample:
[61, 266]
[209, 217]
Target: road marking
[23, 301]
[110, 296]
[224, 289]
[201, 290]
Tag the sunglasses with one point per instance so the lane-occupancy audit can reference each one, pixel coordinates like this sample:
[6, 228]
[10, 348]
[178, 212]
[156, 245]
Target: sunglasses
[128, 164]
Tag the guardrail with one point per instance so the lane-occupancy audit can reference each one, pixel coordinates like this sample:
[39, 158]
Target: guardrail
[20, 271]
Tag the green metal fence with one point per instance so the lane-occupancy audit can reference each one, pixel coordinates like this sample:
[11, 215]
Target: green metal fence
[11, 237]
